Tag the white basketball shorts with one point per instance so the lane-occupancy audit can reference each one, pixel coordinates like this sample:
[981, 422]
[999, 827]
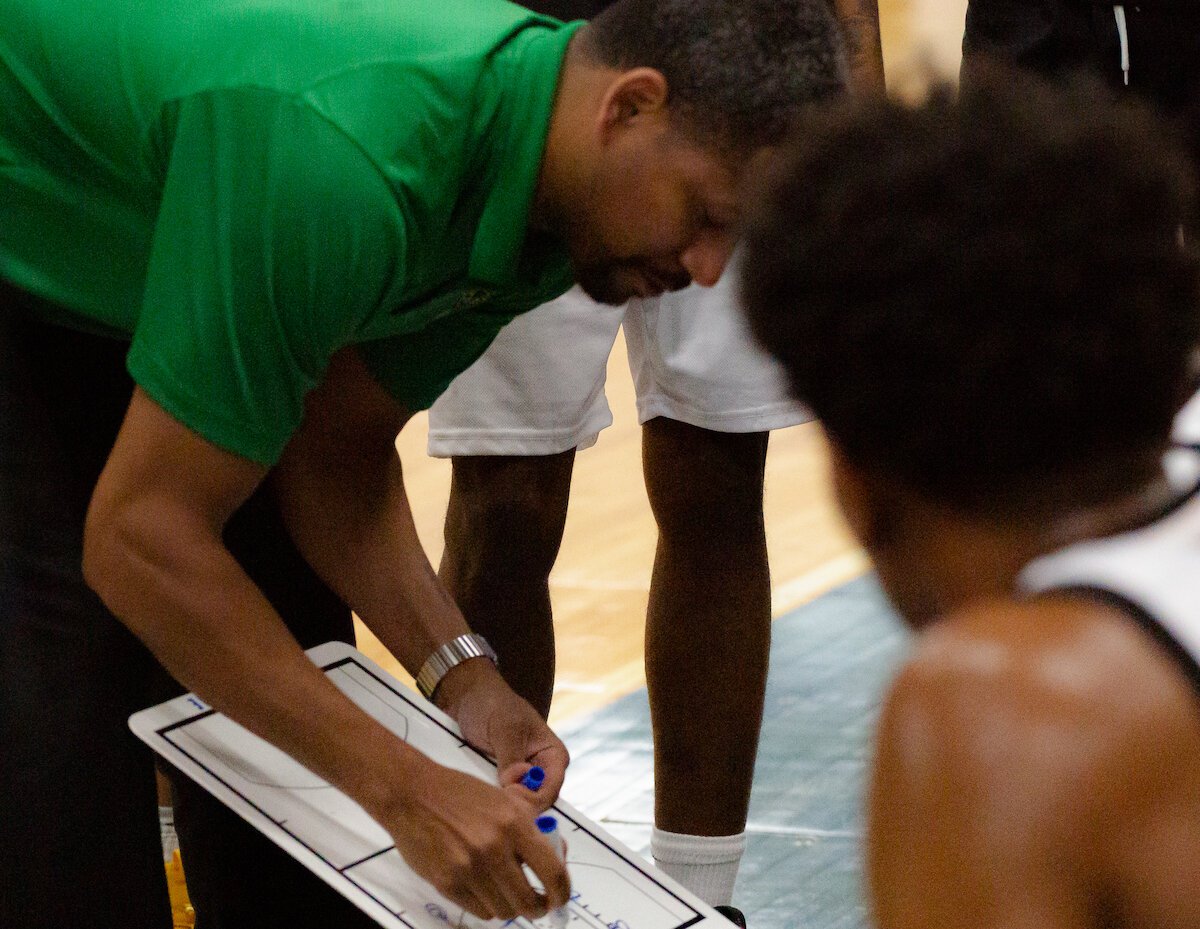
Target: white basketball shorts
[539, 388]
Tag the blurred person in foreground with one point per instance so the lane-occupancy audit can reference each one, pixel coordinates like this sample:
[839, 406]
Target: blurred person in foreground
[987, 305]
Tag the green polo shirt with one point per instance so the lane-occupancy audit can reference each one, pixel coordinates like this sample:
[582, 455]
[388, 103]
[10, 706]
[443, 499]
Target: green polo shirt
[242, 189]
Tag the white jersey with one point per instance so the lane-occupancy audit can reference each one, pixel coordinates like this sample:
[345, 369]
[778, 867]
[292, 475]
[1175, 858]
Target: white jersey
[1152, 573]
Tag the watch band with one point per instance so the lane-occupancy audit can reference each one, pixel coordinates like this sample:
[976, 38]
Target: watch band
[445, 657]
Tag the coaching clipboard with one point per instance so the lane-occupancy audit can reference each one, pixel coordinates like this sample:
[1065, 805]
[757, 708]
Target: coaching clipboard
[612, 887]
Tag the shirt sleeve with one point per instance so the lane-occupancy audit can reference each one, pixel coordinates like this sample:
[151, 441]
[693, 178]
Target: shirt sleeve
[417, 368]
[276, 238]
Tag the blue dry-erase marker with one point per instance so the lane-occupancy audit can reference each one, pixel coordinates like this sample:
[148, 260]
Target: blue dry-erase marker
[533, 778]
[548, 826]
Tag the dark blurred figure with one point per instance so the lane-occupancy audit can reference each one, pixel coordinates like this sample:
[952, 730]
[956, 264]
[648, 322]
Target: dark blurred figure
[1151, 49]
[986, 304]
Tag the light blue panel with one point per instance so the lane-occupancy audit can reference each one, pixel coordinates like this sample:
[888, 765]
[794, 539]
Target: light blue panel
[830, 660]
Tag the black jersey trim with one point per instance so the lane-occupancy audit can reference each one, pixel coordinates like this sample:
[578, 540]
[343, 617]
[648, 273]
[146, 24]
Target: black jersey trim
[1146, 520]
[1169, 507]
[1152, 627]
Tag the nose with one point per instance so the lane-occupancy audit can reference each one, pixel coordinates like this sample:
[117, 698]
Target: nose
[705, 259]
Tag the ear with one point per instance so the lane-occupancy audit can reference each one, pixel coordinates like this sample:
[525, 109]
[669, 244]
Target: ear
[633, 97]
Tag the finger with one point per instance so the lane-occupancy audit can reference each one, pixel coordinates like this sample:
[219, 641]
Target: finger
[501, 884]
[521, 773]
[524, 782]
[550, 869]
[526, 797]
[458, 884]
[510, 782]
[512, 886]
[471, 902]
[553, 760]
[489, 893]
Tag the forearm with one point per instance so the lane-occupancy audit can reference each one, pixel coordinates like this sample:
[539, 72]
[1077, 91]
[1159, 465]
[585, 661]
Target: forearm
[340, 490]
[361, 536]
[864, 47]
[353, 524]
[175, 585]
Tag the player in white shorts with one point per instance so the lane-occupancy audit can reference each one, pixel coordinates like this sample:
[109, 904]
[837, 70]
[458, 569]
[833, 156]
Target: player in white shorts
[539, 388]
[707, 397]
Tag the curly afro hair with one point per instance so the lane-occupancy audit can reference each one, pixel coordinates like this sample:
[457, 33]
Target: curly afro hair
[987, 298]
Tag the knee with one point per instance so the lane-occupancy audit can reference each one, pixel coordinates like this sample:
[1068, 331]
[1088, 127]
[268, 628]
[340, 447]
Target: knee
[705, 484]
[509, 526]
[513, 528]
[710, 509]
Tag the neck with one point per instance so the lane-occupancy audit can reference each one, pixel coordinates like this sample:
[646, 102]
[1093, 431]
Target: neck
[1133, 509]
[972, 559]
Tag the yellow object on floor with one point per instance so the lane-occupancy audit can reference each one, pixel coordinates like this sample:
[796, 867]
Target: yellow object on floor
[182, 914]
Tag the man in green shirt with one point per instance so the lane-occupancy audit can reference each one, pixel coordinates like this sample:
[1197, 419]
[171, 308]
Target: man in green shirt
[293, 223]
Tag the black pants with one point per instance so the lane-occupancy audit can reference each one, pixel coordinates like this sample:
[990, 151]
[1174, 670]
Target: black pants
[79, 842]
[1056, 37]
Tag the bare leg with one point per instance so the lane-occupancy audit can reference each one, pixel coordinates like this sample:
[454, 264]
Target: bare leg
[504, 526]
[709, 623]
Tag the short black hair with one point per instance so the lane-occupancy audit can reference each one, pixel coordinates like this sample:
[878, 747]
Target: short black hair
[738, 72]
[984, 298]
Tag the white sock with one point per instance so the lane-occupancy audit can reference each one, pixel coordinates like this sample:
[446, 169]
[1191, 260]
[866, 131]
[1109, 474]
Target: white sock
[166, 828]
[706, 865]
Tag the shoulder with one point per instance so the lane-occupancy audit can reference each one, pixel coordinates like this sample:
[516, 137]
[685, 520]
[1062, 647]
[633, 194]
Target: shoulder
[1036, 754]
[1056, 661]
[1063, 707]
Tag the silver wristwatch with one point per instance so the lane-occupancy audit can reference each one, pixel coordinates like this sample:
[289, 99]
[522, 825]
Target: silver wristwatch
[445, 657]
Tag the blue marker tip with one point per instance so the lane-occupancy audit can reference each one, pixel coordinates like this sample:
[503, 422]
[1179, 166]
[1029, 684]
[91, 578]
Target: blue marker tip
[546, 824]
[533, 778]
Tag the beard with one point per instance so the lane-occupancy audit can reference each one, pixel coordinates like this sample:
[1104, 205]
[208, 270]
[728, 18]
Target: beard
[605, 275]
[605, 283]
[617, 282]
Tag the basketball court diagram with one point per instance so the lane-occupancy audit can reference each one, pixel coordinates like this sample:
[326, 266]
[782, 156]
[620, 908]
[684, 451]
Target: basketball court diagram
[612, 887]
